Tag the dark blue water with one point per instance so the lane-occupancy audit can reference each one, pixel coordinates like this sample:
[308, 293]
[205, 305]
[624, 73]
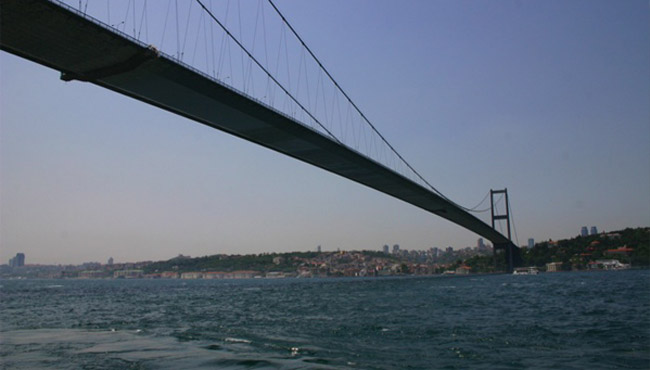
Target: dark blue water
[563, 320]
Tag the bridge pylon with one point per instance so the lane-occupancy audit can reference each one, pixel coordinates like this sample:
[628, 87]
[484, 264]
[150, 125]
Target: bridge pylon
[512, 254]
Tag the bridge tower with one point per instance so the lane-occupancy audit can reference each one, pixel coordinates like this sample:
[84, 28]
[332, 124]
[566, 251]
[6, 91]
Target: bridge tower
[511, 251]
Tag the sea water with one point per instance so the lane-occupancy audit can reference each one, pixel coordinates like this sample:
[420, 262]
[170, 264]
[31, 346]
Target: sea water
[580, 320]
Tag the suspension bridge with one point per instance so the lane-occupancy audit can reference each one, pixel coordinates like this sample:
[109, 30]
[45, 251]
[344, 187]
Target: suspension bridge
[255, 100]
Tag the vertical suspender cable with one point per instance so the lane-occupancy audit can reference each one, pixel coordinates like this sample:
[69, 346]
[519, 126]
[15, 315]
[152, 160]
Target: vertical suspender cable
[358, 110]
[267, 72]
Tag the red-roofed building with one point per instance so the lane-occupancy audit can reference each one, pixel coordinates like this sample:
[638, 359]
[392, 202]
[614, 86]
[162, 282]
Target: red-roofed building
[624, 250]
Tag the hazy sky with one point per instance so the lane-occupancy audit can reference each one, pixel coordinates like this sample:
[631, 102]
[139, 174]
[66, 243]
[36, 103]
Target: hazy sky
[550, 99]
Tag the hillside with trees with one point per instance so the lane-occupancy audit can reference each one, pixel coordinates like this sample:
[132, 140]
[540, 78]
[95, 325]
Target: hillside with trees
[628, 246]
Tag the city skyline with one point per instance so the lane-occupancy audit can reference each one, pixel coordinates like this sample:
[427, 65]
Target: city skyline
[19, 259]
[545, 98]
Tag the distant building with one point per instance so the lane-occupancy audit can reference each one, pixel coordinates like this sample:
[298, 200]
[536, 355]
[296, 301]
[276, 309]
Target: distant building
[480, 245]
[584, 231]
[463, 270]
[531, 243]
[624, 250]
[450, 250]
[318, 249]
[169, 275]
[608, 265]
[274, 275]
[386, 248]
[247, 274]
[554, 267]
[214, 275]
[396, 249]
[92, 274]
[91, 265]
[110, 261]
[593, 231]
[191, 275]
[128, 274]
[17, 261]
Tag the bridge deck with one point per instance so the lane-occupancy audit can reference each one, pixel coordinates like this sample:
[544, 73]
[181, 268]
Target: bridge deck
[85, 50]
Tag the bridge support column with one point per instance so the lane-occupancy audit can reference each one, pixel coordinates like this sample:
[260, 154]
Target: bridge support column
[511, 251]
[511, 254]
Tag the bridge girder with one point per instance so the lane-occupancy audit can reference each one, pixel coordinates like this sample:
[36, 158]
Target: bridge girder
[86, 50]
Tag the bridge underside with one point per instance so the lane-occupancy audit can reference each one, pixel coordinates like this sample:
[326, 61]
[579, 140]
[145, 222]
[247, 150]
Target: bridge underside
[85, 50]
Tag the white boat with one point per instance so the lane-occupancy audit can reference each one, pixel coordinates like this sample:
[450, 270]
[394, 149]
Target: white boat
[525, 271]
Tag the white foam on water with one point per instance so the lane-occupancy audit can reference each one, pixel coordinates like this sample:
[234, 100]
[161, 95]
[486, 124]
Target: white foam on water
[237, 340]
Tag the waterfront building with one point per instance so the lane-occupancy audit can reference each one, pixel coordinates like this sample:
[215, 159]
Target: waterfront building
[584, 231]
[554, 267]
[608, 265]
[128, 274]
[92, 274]
[214, 275]
[274, 275]
[245, 274]
[191, 275]
[169, 275]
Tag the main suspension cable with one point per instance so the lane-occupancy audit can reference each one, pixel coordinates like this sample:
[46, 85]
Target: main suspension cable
[361, 113]
[336, 84]
[267, 72]
[475, 208]
[512, 216]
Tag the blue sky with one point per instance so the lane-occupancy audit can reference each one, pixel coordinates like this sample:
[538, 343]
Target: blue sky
[547, 98]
